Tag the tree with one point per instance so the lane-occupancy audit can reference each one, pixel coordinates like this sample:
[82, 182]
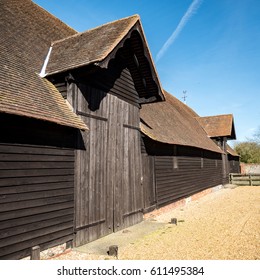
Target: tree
[249, 151]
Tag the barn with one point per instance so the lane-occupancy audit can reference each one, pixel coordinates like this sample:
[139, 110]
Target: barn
[178, 157]
[90, 141]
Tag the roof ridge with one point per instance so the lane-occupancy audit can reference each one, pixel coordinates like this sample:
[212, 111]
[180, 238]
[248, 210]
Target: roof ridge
[221, 115]
[97, 27]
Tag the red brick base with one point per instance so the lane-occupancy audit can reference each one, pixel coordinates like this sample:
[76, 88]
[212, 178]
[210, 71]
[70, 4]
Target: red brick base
[179, 203]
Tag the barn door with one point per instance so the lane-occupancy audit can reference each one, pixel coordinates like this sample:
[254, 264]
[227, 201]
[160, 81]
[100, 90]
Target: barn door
[108, 193]
[125, 164]
[128, 192]
[93, 203]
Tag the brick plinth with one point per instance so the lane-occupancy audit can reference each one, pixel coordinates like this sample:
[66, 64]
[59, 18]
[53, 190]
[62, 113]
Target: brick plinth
[180, 203]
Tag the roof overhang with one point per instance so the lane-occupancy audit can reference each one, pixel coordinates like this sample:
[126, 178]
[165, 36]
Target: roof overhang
[219, 126]
[130, 41]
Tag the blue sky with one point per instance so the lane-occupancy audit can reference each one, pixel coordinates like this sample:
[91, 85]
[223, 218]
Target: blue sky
[213, 50]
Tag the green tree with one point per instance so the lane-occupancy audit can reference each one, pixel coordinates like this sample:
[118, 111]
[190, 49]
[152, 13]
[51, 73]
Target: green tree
[249, 151]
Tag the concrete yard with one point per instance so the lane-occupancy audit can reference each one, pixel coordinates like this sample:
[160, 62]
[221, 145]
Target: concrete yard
[224, 225]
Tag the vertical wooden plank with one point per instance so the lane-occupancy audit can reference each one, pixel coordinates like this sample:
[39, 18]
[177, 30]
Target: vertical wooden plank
[103, 154]
[91, 189]
[139, 160]
[78, 177]
[85, 182]
[126, 174]
[118, 169]
[134, 170]
[77, 190]
[110, 161]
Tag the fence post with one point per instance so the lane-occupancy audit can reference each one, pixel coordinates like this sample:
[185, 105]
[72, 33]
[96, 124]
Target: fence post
[35, 253]
[250, 180]
[69, 244]
[231, 178]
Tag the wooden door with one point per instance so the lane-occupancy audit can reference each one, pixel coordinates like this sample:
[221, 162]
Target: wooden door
[108, 195]
[124, 164]
[92, 203]
[128, 194]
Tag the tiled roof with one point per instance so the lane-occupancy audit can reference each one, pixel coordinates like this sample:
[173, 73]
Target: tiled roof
[231, 151]
[99, 45]
[26, 34]
[173, 122]
[219, 126]
[88, 47]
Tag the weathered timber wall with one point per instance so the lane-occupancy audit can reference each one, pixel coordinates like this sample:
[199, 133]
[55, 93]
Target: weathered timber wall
[181, 171]
[148, 182]
[36, 186]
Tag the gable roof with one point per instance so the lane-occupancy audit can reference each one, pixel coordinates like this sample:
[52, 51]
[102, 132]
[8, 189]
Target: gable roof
[26, 33]
[99, 45]
[218, 126]
[173, 122]
[88, 47]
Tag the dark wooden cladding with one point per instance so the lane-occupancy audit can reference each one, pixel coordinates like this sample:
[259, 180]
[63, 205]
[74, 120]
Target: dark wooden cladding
[189, 178]
[90, 183]
[234, 164]
[123, 86]
[115, 80]
[179, 171]
[134, 51]
[108, 171]
[143, 148]
[148, 183]
[36, 186]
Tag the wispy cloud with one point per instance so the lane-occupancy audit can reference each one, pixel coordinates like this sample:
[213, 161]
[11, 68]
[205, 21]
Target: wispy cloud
[187, 16]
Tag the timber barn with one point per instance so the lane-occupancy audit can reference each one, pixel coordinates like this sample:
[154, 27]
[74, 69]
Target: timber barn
[89, 139]
[220, 129]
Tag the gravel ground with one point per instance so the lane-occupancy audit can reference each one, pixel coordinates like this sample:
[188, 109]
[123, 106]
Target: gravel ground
[224, 225]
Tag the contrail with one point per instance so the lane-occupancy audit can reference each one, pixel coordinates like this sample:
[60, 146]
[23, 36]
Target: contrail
[189, 13]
